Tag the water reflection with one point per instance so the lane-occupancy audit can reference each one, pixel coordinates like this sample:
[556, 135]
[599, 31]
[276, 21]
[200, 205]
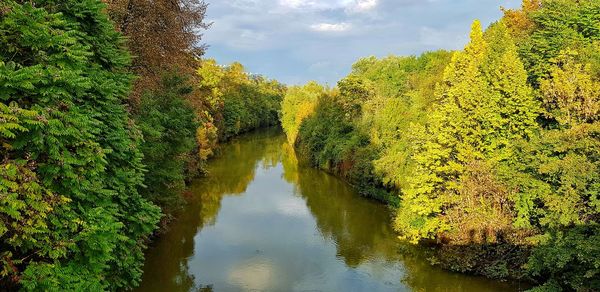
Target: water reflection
[262, 221]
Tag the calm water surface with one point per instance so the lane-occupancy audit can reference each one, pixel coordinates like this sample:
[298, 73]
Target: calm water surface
[262, 222]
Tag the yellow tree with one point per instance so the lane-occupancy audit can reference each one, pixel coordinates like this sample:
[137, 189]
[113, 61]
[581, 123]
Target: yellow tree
[298, 104]
[484, 104]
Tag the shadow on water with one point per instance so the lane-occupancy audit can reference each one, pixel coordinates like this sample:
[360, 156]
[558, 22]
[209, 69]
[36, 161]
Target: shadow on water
[261, 221]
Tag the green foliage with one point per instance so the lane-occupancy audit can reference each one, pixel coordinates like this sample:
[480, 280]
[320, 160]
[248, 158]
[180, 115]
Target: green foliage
[560, 25]
[485, 104]
[328, 136]
[390, 120]
[555, 173]
[569, 258]
[361, 130]
[495, 158]
[558, 181]
[298, 104]
[241, 102]
[329, 139]
[168, 124]
[353, 93]
[570, 93]
[72, 218]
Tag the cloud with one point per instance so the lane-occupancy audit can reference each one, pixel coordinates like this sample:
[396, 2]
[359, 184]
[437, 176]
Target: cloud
[359, 6]
[351, 6]
[312, 4]
[331, 27]
[290, 39]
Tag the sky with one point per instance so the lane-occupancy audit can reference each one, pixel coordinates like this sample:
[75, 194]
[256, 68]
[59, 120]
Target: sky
[296, 41]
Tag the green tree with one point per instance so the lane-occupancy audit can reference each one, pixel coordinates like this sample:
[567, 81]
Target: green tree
[571, 96]
[71, 163]
[298, 104]
[168, 124]
[558, 181]
[558, 25]
[389, 118]
[485, 104]
[239, 101]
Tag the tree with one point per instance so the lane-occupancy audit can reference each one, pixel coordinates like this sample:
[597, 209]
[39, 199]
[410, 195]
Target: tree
[389, 118]
[71, 165]
[519, 21]
[238, 101]
[168, 124]
[485, 104]
[298, 104]
[163, 35]
[558, 25]
[570, 94]
[354, 92]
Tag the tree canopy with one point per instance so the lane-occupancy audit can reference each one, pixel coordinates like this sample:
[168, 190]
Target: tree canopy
[491, 152]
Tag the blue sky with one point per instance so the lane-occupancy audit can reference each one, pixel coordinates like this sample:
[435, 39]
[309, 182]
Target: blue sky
[295, 41]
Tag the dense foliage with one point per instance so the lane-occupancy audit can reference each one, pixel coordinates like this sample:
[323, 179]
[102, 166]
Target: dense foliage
[85, 168]
[358, 129]
[182, 116]
[163, 35]
[239, 101]
[168, 124]
[493, 151]
[72, 217]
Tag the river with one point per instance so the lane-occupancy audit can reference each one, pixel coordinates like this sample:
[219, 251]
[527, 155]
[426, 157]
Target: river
[260, 221]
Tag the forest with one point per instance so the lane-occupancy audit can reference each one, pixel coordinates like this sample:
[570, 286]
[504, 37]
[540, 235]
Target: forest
[490, 153]
[489, 156]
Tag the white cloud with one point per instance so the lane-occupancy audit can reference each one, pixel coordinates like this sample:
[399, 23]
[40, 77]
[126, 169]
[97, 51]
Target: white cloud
[350, 6]
[287, 39]
[293, 3]
[359, 6]
[331, 27]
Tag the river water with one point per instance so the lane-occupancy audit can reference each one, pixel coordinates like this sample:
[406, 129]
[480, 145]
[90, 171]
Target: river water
[261, 221]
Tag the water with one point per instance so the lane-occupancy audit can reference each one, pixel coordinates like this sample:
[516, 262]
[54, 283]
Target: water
[262, 222]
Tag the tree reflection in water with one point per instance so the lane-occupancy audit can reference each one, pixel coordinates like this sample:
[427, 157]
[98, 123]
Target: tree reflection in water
[263, 221]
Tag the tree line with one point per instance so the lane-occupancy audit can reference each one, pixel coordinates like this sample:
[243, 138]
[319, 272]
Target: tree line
[490, 153]
[107, 110]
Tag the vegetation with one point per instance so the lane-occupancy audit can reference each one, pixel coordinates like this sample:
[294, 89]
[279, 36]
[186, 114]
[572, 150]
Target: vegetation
[241, 100]
[72, 216]
[168, 124]
[492, 151]
[88, 162]
[164, 36]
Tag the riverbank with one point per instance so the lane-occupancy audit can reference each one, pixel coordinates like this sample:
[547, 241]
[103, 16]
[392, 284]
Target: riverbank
[261, 220]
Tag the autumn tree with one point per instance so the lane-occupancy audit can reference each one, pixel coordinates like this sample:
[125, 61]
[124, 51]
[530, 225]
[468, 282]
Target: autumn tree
[162, 36]
[519, 21]
[299, 103]
[485, 104]
[237, 102]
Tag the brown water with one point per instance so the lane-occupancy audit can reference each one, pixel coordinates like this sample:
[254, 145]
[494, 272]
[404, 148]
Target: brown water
[262, 222]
